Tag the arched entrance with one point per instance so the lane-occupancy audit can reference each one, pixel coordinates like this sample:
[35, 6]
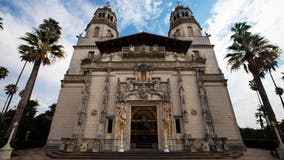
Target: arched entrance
[144, 127]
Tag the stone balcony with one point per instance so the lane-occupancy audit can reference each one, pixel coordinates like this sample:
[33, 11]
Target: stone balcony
[197, 40]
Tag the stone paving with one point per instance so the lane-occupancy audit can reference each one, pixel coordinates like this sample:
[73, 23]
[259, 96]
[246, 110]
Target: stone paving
[38, 154]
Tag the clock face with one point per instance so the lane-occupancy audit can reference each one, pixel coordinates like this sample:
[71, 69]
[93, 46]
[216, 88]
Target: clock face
[131, 48]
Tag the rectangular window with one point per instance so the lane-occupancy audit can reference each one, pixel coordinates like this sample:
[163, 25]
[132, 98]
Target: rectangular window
[178, 129]
[91, 55]
[109, 126]
[196, 53]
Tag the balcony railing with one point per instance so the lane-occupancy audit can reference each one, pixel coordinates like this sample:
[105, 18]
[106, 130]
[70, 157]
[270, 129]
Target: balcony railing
[197, 40]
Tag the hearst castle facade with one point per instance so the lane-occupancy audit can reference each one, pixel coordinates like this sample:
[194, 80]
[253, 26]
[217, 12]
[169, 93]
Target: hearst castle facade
[144, 91]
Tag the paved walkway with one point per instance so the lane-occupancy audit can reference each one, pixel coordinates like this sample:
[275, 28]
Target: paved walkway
[38, 154]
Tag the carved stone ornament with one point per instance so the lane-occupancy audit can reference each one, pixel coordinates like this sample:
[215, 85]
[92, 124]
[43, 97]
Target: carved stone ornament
[142, 91]
[193, 112]
[143, 67]
[94, 112]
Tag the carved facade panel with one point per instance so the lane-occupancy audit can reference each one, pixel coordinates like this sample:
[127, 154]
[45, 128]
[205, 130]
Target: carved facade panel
[133, 90]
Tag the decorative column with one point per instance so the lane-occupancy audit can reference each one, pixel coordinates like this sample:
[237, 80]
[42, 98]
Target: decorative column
[104, 110]
[83, 112]
[166, 120]
[105, 97]
[208, 124]
[181, 97]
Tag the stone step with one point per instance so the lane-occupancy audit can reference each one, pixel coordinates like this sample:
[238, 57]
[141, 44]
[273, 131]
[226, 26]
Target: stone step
[138, 154]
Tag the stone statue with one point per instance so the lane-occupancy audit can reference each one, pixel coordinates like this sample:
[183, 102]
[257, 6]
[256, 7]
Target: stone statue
[121, 115]
[166, 115]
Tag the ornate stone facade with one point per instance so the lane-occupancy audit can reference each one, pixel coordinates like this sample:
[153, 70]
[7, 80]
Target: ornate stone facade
[144, 91]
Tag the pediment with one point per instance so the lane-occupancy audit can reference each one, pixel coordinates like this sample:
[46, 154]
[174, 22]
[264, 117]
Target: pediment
[143, 38]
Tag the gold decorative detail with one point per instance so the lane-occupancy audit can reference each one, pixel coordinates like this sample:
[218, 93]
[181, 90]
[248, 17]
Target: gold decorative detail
[193, 112]
[230, 117]
[273, 124]
[83, 147]
[15, 124]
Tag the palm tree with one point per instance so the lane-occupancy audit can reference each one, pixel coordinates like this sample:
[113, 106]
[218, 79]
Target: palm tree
[1, 23]
[10, 90]
[251, 51]
[259, 115]
[10, 96]
[268, 67]
[41, 48]
[3, 72]
[254, 88]
[239, 29]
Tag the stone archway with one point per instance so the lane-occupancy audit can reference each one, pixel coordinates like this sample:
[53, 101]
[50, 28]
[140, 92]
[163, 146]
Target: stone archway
[144, 129]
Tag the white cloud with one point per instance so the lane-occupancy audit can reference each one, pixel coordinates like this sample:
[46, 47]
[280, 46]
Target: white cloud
[72, 16]
[265, 18]
[140, 14]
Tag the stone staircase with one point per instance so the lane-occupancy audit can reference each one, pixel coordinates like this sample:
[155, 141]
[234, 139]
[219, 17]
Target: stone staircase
[139, 154]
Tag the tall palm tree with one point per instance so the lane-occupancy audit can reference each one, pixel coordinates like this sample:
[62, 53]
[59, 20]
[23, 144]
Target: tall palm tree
[3, 72]
[254, 88]
[10, 90]
[41, 48]
[259, 115]
[251, 51]
[10, 96]
[268, 67]
[1, 23]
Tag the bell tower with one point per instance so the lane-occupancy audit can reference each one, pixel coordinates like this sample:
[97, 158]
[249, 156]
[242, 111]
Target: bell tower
[103, 24]
[183, 23]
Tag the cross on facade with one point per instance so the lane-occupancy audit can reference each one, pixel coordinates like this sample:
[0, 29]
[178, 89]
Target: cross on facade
[108, 4]
[178, 3]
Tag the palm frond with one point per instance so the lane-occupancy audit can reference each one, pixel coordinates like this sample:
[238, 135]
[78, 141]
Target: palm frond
[41, 45]
[1, 23]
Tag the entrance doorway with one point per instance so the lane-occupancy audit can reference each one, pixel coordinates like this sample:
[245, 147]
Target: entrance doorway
[144, 127]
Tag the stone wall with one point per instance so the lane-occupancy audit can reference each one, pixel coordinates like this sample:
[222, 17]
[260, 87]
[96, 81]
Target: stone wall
[66, 113]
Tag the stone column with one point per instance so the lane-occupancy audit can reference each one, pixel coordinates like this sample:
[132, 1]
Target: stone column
[208, 124]
[79, 132]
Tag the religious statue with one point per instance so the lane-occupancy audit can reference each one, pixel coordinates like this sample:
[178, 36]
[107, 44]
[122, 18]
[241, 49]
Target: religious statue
[166, 115]
[166, 120]
[121, 115]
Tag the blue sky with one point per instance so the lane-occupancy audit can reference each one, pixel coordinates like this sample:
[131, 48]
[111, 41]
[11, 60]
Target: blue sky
[215, 16]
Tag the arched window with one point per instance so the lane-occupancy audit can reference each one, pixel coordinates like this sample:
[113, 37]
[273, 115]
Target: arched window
[108, 16]
[182, 13]
[177, 16]
[103, 14]
[111, 18]
[186, 14]
[100, 14]
[190, 31]
[177, 33]
[109, 34]
[96, 32]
